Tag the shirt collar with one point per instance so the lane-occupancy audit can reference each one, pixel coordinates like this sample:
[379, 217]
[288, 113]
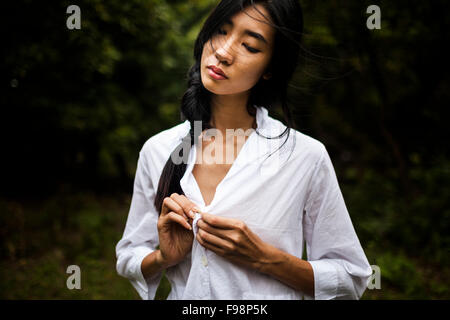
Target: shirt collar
[266, 125]
[262, 123]
[261, 117]
[251, 150]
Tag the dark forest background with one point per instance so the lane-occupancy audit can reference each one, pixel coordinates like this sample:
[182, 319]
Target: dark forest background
[77, 106]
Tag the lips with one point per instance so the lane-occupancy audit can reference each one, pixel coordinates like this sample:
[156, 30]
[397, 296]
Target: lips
[218, 71]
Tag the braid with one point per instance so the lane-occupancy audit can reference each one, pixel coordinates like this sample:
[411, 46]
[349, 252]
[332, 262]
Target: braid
[194, 107]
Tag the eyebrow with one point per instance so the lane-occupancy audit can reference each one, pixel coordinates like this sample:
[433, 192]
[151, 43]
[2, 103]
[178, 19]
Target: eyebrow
[253, 34]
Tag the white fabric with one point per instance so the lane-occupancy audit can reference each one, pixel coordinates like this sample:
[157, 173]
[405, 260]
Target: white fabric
[285, 199]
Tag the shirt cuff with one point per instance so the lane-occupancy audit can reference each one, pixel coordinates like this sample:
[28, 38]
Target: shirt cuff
[325, 280]
[145, 287]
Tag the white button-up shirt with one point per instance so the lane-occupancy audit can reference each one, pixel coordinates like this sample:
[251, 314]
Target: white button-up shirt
[289, 200]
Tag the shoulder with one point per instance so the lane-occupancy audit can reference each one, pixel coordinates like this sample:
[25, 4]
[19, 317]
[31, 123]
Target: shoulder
[305, 147]
[310, 146]
[159, 146]
[167, 137]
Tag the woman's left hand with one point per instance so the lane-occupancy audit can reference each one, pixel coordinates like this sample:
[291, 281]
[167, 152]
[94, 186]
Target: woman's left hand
[231, 239]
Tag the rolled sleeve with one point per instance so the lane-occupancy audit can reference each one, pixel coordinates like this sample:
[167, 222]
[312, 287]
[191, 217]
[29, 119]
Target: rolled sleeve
[341, 269]
[145, 287]
[325, 280]
[140, 237]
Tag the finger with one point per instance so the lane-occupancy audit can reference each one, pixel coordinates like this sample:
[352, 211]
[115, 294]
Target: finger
[188, 206]
[216, 241]
[175, 217]
[209, 246]
[164, 208]
[221, 222]
[219, 232]
[172, 205]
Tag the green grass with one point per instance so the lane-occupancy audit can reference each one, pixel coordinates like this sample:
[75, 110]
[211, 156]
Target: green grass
[42, 239]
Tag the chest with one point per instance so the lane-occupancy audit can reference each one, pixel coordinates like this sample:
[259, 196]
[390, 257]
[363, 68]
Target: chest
[214, 160]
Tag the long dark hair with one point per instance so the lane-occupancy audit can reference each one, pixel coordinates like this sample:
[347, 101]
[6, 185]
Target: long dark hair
[287, 18]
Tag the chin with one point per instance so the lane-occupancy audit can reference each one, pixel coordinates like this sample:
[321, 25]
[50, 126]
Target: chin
[215, 90]
[214, 86]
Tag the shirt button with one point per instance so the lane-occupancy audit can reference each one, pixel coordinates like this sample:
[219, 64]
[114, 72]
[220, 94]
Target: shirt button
[204, 260]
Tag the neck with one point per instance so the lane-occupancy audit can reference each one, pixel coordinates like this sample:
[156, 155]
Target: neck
[230, 112]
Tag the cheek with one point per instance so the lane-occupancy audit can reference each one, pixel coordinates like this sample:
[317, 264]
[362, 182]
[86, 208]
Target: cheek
[205, 53]
[251, 71]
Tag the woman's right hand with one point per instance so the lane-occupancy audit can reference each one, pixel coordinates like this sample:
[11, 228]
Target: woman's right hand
[175, 228]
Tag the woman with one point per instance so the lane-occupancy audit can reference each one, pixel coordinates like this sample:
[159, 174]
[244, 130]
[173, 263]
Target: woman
[232, 225]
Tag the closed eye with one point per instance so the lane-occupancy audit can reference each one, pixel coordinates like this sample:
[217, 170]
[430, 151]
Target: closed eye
[250, 49]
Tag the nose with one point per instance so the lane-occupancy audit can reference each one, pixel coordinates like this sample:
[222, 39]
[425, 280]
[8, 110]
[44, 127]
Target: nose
[223, 52]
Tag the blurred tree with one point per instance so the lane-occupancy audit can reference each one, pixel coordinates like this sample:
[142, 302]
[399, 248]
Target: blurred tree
[81, 103]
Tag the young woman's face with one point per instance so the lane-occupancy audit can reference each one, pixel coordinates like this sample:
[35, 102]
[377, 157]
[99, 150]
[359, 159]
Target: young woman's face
[243, 58]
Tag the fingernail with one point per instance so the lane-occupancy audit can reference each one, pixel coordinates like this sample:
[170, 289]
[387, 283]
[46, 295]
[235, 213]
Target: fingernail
[191, 214]
[196, 209]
